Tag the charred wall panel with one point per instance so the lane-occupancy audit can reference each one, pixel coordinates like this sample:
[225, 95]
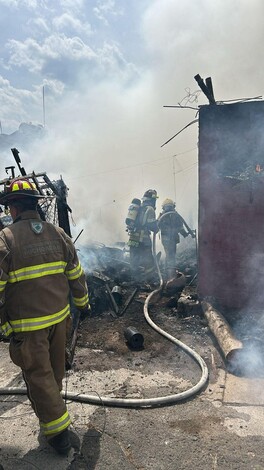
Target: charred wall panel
[231, 204]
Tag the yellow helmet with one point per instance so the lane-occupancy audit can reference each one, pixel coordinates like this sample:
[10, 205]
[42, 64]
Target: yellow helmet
[19, 188]
[168, 203]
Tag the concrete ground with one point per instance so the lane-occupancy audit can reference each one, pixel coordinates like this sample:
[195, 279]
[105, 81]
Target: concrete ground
[220, 428]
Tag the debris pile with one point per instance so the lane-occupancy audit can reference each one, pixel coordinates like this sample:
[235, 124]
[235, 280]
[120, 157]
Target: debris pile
[53, 207]
[112, 290]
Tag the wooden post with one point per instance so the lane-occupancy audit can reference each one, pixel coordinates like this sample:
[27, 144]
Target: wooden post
[230, 346]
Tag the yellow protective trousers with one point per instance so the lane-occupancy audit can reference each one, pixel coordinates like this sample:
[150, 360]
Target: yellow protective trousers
[41, 356]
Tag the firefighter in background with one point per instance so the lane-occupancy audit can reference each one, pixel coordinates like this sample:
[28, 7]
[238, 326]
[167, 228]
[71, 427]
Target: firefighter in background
[171, 225]
[140, 244]
[39, 269]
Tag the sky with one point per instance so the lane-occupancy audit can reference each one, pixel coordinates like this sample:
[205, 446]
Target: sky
[99, 76]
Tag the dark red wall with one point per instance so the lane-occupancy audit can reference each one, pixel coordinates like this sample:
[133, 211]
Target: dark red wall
[231, 204]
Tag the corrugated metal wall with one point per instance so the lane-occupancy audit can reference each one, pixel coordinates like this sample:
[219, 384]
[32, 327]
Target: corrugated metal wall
[231, 204]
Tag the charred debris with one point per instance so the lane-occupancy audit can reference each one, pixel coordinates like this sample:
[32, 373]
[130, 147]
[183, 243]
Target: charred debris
[54, 208]
[107, 268]
[110, 285]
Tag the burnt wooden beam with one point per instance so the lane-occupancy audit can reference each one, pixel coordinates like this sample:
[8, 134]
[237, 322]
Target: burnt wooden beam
[128, 302]
[113, 302]
[207, 88]
[209, 85]
[229, 345]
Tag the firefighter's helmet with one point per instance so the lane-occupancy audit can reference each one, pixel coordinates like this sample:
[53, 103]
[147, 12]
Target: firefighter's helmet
[19, 188]
[150, 194]
[168, 204]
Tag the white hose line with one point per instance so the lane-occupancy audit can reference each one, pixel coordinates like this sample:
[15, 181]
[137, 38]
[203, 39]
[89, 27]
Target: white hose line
[136, 402]
[204, 377]
[132, 402]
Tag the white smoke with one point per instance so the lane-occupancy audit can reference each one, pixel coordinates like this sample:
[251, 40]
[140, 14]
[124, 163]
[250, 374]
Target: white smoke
[105, 136]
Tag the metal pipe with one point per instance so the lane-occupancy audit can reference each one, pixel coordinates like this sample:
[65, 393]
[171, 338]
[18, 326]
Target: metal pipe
[134, 338]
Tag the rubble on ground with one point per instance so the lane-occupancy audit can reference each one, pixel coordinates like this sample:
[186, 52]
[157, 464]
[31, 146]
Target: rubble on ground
[111, 288]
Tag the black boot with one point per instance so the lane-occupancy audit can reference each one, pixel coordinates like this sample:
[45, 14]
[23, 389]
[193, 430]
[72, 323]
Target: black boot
[61, 442]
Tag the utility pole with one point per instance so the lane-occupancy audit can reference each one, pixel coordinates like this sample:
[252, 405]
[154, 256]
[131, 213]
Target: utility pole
[174, 176]
[43, 105]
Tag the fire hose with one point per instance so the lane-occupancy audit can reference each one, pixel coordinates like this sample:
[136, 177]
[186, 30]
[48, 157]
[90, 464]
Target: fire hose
[137, 402]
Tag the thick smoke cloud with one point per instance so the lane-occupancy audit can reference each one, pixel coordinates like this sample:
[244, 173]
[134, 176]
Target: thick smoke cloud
[107, 123]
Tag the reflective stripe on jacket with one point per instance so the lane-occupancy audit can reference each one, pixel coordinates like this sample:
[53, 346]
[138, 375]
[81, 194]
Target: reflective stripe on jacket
[39, 268]
[146, 224]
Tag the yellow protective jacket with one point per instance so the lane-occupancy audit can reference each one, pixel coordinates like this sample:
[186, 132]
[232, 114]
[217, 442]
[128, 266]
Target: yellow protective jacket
[39, 267]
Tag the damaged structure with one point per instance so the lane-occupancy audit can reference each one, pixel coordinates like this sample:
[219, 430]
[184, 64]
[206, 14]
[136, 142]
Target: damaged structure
[231, 223]
[54, 208]
[231, 203]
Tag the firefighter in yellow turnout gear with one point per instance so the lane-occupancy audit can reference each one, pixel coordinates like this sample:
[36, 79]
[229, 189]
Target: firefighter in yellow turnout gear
[39, 269]
[140, 244]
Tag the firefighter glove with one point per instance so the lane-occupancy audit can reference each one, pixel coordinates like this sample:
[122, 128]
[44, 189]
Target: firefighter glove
[85, 312]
